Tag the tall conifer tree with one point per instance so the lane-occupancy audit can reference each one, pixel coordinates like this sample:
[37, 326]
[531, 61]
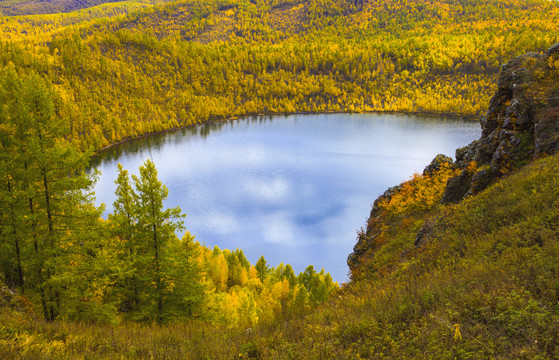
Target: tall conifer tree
[51, 219]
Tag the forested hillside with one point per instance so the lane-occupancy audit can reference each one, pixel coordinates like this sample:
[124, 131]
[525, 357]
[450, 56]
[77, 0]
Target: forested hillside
[70, 264]
[34, 7]
[124, 69]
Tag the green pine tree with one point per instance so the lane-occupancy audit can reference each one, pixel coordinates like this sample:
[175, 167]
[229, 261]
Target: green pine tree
[156, 231]
[51, 222]
[262, 268]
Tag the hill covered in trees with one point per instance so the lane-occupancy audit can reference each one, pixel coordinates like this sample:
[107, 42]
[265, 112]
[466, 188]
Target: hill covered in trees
[70, 264]
[30, 7]
[128, 68]
[430, 279]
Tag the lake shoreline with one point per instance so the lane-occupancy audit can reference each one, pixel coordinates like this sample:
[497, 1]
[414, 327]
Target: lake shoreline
[217, 120]
[282, 186]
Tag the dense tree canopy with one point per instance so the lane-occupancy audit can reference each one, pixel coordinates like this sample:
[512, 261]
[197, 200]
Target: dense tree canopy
[129, 68]
[484, 285]
[49, 224]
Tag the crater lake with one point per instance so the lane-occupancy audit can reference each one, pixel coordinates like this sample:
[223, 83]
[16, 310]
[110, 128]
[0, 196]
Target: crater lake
[293, 188]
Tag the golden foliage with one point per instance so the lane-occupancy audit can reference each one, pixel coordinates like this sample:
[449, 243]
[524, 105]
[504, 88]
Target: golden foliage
[127, 68]
[420, 193]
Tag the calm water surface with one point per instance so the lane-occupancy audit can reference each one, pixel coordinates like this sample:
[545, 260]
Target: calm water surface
[292, 188]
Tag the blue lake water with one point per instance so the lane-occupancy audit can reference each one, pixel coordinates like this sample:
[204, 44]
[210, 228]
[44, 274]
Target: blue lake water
[292, 188]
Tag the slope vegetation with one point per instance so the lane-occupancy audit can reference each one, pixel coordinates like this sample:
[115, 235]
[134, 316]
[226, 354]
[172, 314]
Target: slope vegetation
[484, 286]
[34, 7]
[457, 262]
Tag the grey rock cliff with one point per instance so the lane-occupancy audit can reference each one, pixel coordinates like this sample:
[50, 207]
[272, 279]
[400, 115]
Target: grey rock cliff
[521, 124]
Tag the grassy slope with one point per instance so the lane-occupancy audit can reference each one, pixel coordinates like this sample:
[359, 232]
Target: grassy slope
[490, 266]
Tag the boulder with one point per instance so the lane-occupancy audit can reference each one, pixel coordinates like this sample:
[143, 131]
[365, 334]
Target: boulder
[437, 163]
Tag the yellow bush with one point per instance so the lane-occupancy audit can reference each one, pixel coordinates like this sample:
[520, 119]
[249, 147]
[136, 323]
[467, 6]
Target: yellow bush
[420, 193]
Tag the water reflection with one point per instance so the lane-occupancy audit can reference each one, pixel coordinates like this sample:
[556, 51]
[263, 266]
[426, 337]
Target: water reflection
[293, 188]
[156, 141]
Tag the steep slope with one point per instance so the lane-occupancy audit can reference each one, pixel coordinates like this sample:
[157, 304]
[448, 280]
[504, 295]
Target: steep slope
[521, 125]
[475, 277]
[484, 286]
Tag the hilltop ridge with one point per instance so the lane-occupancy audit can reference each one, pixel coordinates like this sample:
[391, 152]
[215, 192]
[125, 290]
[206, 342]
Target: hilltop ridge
[126, 69]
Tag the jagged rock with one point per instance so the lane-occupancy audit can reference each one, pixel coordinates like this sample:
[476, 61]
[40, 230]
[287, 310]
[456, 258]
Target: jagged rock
[436, 164]
[457, 187]
[365, 240]
[546, 129]
[480, 181]
[520, 125]
[518, 115]
[465, 153]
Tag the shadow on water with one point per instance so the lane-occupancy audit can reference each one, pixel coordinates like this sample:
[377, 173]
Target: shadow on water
[154, 142]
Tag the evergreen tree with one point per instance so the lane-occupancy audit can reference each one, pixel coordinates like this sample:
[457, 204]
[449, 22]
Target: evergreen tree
[262, 268]
[123, 225]
[187, 291]
[51, 222]
[289, 274]
[156, 228]
[11, 237]
[122, 217]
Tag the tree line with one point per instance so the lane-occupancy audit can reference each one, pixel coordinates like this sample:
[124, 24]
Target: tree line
[73, 83]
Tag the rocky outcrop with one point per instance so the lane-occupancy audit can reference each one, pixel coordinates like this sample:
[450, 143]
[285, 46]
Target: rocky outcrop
[437, 163]
[522, 123]
[368, 237]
